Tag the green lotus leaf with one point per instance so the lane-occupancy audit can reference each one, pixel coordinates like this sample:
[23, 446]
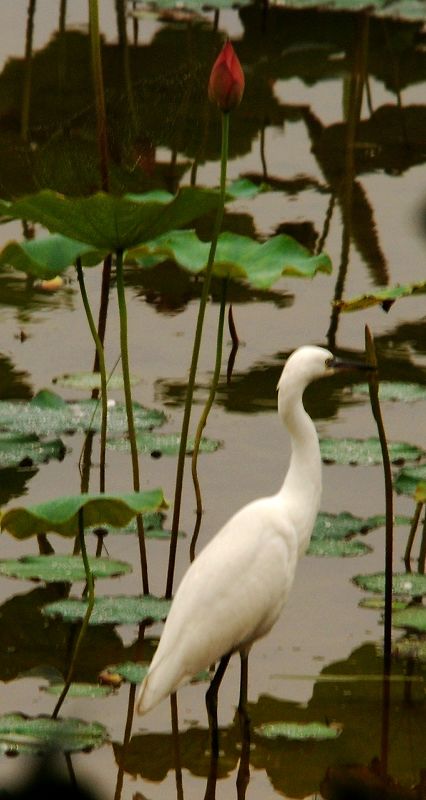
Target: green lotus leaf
[237, 257]
[61, 568]
[410, 647]
[411, 617]
[378, 603]
[48, 256]
[61, 515]
[406, 584]
[338, 548]
[366, 452]
[397, 391]
[162, 444]
[47, 413]
[79, 690]
[420, 493]
[129, 671]
[110, 223]
[338, 526]
[244, 188]
[21, 450]
[92, 380]
[153, 527]
[385, 297]
[299, 730]
[20, 734]
[111, 610]
[409, 478]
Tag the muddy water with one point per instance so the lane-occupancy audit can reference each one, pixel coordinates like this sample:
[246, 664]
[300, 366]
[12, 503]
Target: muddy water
[289, 132]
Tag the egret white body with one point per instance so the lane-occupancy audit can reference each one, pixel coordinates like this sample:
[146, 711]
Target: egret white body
[235, 590]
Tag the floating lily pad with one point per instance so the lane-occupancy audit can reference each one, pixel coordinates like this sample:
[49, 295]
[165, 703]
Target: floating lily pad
[338, 548]
[410, 647]
[339, 526]
[47, 413]
[366, 452]
[48, 256]
[92, 380]
[162, 444]
[24, 450]
[409, 478]
[406, 584]
[79, 690]
[20, 734]
[244, 188]
[385, 297]
[153, 527]
[299, 730]
[61, 568]
[61, 515]
[128, 671]
[107, 222]
[237, 257]
[111, 610]
[396, 391]
[411, 617]
[378, 603]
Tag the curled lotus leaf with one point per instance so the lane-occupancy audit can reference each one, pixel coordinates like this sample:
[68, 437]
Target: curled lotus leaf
[48, 256]
[62, 514]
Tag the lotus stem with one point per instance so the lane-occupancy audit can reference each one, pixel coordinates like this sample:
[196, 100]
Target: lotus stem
[195, 354]
[129, 411]
[102, 370]
[206, 412]
[85, 624]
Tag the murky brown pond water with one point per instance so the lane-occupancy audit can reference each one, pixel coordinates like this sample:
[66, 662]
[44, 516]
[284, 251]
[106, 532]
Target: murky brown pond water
[288, 132]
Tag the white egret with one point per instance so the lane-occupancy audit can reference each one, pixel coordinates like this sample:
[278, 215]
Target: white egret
[234, 591]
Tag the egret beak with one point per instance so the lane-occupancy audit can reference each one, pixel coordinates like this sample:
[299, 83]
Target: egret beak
[346, 364]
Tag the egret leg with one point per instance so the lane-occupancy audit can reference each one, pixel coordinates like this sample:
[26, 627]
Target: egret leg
[242, 704]
[211, 703]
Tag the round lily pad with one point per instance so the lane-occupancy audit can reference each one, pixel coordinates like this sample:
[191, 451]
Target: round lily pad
[411, 617]
[299, 730]
[338, 548]
[21, 734]
[61, 568]
[128, 671]
[406, 584]
[162, 444]
[409, 478]
[366, 452]
[397, 391]
[111, 610]
[18, 450]
[79, 690]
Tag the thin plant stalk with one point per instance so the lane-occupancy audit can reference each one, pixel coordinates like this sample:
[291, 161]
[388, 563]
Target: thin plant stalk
[205, 414]
[26, 94]
[129, 411]
[102, 371]
[95, 51]
[195, 354]
[85, 624]
[126, 740]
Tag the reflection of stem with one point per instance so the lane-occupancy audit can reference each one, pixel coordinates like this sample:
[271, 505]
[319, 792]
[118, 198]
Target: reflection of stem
[26, 94]
[95, 48]
[103, 307]
[205, 414]
[235, 345]
[375, 407]
[326, 227]
[262, 151]
[411, 536]
[62, 16]
[44, 546]
[85, 623]
[123, 44]
[176, 747]
[129, 411]
[195, 354]
[422, 553]
[126, 740]
[102, 370]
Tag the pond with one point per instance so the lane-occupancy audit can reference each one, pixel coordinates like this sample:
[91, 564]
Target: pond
[326, 147]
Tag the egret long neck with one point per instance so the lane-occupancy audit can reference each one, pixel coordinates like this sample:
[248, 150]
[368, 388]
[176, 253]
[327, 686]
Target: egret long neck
[301, 490]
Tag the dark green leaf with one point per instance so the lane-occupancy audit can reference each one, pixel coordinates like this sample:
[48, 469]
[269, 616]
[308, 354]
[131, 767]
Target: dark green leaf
[18, 450]
[111, 610]
[19, 734]
[61, 568]
[46, 257]
[409, 478]
[299, 730]
[411, 617]
[109, 223]
[366, 452]
[162, 444]
[406, 584]
[61, 515]
[338, 547]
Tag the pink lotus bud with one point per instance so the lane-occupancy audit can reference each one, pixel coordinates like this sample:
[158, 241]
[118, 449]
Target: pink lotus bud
[226, 83]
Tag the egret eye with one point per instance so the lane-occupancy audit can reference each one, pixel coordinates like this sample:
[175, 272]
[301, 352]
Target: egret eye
[329, 362]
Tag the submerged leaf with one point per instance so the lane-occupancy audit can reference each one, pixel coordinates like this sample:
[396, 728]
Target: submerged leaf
[162, 444]
[61, 568]
[406, 584]
[366, 452]
[299, 730]
[61, 515]
[20, 734]
[111, 610]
